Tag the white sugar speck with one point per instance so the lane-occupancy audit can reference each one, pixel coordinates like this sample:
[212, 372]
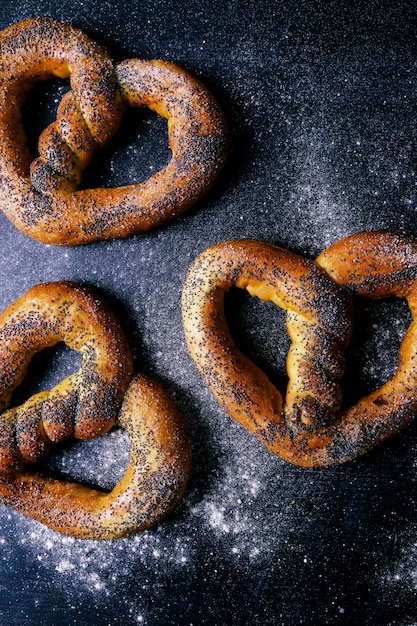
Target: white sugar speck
[65, 566]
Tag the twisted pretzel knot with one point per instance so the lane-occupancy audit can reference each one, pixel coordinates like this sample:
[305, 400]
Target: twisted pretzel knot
[85, 404]
[41, 197]
[310, 429]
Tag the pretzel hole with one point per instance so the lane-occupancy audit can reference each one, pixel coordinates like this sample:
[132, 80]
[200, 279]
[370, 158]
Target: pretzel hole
[40, 107]
[138, 150]
[373, 353]
[258, 329]
[99, 463]
[46, 369]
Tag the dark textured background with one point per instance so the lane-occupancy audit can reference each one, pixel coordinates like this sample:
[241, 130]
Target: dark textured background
[321, 101]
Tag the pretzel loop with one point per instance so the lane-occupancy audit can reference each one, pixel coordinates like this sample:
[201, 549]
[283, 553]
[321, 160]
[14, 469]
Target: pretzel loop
[86, 404]
[41, 197]
[90, 114]
[310, 429]
[379, 265]
[155, 479]
[319, 323]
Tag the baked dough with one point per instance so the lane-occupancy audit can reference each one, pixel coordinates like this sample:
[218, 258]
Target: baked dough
[309, 428]
[86, 404]
[41, 196]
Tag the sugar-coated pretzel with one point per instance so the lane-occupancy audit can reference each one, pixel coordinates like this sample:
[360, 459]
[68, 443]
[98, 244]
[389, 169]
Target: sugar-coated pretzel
[310, 429]
[84, 405]
[41, 197]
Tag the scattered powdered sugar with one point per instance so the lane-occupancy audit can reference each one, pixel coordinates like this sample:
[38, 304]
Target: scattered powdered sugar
[232, 524]
[405, 573]
[101, 461]
[320, 103]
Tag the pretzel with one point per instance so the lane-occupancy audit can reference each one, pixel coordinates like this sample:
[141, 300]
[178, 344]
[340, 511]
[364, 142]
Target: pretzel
[309, 429]
[41, 196]
[86, 404]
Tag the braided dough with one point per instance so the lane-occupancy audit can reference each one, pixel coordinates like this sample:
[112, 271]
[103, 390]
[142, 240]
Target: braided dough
[41, 197]
[309, 429]
[85, 404]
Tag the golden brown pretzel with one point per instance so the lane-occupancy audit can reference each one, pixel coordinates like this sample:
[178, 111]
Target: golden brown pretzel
[310, 430]
[41, 197]
[85, 404]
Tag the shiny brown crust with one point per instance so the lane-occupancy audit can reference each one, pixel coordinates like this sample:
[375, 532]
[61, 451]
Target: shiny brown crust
[41, 197]
[310, 429]
[84, 405]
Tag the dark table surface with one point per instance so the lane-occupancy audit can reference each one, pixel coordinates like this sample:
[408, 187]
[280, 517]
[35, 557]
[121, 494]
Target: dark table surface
[320, 99]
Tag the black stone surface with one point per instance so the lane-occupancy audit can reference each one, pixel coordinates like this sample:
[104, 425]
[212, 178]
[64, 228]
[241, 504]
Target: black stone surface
[321, 102]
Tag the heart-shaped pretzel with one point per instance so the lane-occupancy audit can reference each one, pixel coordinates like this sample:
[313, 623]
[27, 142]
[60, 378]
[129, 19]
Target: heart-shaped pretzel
[41, 197]
[310, 430]
[84, 405]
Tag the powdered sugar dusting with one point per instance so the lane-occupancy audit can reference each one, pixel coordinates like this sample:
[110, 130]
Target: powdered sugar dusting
[320, 99]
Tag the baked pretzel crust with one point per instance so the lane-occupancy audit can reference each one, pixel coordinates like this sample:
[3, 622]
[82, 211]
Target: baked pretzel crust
[86, 404]
[155, 479]
[309, 429]
[41, 196]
